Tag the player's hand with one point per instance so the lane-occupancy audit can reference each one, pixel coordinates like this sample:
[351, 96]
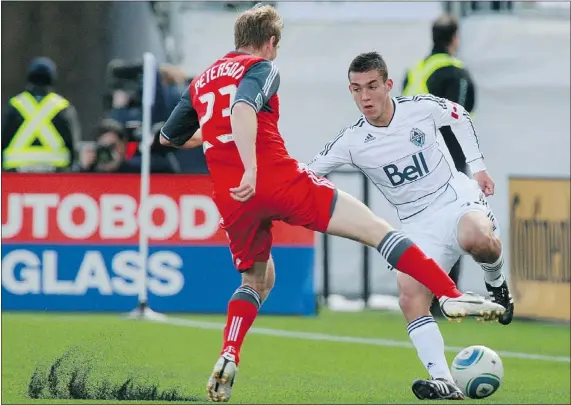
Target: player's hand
[247, 187]
[485, 182]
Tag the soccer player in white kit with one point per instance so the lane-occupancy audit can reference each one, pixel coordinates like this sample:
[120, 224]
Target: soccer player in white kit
[394, 143]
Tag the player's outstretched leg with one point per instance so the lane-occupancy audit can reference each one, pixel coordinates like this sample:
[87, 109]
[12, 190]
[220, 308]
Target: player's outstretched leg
[415, 301]
[354, 220]
[476, 236]
[243, 307]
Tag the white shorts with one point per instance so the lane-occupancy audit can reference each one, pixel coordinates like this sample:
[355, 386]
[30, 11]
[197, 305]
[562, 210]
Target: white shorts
[436, 232]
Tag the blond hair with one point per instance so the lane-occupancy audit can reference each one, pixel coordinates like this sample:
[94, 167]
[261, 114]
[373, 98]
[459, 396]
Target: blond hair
[254, 27]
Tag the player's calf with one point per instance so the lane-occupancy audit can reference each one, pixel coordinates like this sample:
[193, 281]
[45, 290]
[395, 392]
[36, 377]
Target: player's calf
[244, 304]
[422, 329]
[414, 298]
[243, 308]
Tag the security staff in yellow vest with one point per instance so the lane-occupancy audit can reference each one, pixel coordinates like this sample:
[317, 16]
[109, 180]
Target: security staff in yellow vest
[40, 128]
[444, 75]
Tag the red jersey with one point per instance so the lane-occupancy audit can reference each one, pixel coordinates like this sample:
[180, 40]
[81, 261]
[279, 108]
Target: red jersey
[255, 81]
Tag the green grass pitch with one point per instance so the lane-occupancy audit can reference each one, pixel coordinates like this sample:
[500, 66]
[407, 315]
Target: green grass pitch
[284, 360]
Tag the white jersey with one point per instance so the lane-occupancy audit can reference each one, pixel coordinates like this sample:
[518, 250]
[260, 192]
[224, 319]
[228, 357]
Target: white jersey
[404, 159]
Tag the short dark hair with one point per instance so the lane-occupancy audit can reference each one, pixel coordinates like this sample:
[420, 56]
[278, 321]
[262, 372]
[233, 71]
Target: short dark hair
[110, 125]
[444, 29]
[368, 61]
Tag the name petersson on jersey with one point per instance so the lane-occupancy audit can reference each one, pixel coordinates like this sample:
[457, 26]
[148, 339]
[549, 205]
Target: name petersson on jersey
[38, 274]
[233, 69]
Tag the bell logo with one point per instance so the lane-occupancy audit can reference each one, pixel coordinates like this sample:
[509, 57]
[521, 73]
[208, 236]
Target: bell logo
[414, 171]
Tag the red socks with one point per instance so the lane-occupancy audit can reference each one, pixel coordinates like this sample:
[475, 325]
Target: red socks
[241, 316]
[401, 253]
[426, 271]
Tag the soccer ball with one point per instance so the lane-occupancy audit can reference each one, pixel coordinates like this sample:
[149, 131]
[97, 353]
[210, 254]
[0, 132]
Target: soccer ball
[478, 371]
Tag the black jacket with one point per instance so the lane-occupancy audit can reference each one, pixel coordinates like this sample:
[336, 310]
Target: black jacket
[454, 84]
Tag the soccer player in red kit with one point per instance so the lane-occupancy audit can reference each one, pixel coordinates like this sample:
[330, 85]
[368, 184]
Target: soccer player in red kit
[232, 108]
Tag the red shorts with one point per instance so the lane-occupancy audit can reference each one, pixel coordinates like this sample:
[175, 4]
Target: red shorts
[303, 199]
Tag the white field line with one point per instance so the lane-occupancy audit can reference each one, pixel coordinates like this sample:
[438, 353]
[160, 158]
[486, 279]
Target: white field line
[348, 339]
[320, 336]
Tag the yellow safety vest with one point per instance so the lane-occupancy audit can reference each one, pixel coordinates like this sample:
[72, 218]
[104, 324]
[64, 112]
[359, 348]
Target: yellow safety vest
[37, 124]
[421, 72]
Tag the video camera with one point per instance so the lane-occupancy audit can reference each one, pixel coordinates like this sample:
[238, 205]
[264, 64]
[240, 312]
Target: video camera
[126, 76]
[124, 94]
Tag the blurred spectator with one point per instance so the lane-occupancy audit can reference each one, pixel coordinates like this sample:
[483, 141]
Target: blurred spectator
[175, 81]
[444, 75]
[192, 161]
[123, 103]
[40, 129]
[492, 5]
[189, 160]
[108, 153]
[123, 99]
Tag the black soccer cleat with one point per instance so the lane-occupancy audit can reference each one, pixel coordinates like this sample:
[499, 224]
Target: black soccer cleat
[501, 295]
[436, 389]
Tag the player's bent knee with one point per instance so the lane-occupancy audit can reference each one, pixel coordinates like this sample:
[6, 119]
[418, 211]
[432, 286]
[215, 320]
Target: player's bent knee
[475, 232]
[486, 249]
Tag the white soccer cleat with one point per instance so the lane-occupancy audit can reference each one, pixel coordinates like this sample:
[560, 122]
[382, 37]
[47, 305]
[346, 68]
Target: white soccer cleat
[470, 304]
[219, 387]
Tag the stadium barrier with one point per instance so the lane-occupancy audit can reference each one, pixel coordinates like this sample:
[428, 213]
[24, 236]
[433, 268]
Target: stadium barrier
[70, 242]
[540, 247]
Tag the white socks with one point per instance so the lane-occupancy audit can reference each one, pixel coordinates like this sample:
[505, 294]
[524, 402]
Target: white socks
[493, 272]
[429, 343]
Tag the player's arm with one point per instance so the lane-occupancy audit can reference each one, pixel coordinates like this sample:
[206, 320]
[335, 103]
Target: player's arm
[182, 125]
[445, 112]
[194, 141]
[258, 85]
[333, 155]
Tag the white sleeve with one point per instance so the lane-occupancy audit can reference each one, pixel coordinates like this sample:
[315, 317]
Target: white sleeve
[445, 112]
[334, 154]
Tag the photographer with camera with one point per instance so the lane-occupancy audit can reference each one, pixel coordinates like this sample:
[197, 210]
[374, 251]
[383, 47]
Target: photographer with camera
[108, 153]
[123, 103]
[124, 94]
